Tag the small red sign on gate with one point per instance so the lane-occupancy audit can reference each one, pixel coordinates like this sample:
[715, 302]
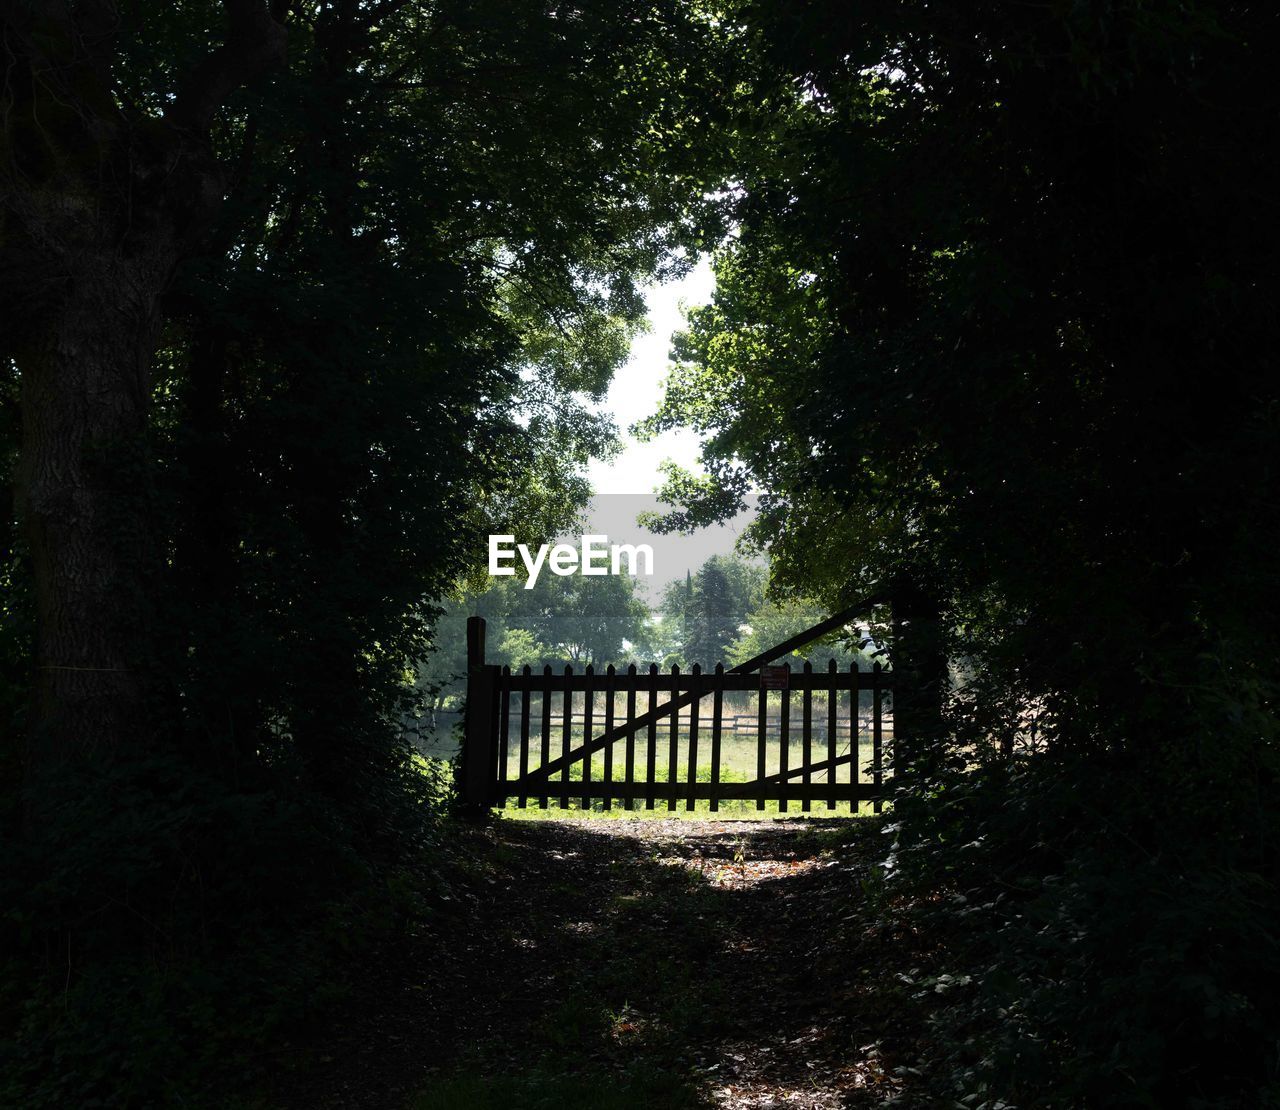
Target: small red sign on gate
[775, 678]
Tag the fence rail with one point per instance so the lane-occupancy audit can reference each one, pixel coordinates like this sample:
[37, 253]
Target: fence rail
[737, 723]
[651, 738]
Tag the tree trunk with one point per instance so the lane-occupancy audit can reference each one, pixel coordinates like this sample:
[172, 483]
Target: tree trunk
[920, 678]
[100, 201]
[83, 489]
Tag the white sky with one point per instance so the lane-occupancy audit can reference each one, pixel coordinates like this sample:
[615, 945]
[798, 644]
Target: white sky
[637, 390]
[625, 487]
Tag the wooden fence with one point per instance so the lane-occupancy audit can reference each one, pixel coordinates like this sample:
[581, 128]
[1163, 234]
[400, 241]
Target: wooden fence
[652, 738]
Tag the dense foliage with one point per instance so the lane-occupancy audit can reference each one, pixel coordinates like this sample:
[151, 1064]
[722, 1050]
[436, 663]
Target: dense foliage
[998, 318]
[407, 262]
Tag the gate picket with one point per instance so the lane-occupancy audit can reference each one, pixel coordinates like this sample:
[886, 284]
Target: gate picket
[608, 727]
[833, 715]
[717, 705]
[545, 747]
[587, 708]
[650, 759]
[673, 748]
[565, 734]
[806, 728]
[693, 732]
[524, 742]
[505, 716]
[855, 733]
[784, 735]
[762, 721]
[630, 795]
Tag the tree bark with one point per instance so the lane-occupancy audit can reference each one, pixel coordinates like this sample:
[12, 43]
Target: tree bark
[83, 500]
[919, 675]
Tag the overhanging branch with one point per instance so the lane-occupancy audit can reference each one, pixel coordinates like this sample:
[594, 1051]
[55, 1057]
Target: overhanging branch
[256, 42]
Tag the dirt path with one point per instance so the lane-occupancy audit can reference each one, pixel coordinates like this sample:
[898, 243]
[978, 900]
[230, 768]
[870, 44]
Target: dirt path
[637, 963]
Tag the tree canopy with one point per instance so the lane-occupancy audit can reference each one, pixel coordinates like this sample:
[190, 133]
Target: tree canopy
[299, 303]
[995, 319]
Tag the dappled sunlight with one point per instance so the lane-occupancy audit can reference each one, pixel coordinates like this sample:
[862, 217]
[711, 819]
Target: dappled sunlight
[740, 910]
[746, 961]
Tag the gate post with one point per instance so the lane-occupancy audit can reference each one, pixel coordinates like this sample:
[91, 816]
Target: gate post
[919, 676]
[477, 738]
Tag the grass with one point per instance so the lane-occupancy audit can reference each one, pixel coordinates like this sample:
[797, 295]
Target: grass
[734, 809]
[738, 763]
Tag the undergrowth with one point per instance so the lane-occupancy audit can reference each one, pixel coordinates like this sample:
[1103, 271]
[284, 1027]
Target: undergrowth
[1094, 952]
[165, 931]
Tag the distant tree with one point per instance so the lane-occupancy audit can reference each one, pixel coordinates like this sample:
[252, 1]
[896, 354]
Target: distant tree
[519, 648]
[745, 582]
[713, 622]
[702, 614]
[575, 619]
[676, 608]
[772, 622]
[585, 619]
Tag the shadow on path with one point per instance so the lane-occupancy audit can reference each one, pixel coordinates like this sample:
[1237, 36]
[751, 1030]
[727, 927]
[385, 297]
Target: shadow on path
[642, 963]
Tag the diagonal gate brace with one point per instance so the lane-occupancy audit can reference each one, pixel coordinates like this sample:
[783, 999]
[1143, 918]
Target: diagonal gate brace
[799, 640]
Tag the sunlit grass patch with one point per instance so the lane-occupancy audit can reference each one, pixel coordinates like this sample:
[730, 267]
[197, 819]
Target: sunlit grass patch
[735, 809]
[739, 763]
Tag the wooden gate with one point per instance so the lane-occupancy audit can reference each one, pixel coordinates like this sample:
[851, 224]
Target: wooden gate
[655, 739]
